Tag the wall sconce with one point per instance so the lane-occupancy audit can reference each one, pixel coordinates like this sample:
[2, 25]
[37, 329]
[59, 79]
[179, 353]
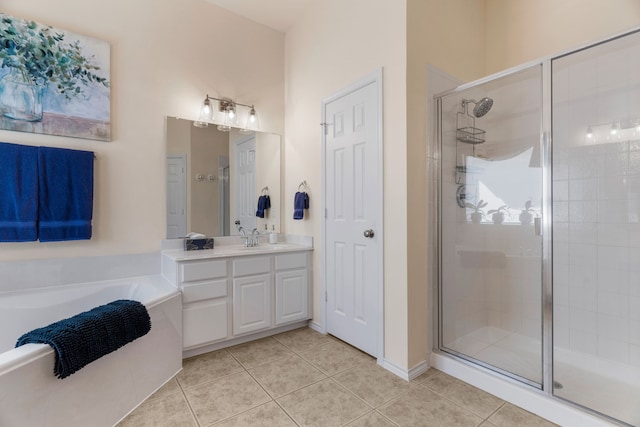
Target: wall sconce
[228, 109]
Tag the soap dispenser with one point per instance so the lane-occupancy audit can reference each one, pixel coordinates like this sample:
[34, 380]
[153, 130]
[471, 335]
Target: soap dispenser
[273, 236]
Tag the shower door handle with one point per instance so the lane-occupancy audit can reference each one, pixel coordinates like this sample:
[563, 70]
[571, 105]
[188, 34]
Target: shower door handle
[537, 225]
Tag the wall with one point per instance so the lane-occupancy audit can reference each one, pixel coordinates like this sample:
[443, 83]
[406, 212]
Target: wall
[460, 53]
[333, 45]
[519, 31]
[165, 56]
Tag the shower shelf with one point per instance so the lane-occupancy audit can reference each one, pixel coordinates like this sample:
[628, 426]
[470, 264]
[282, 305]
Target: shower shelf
[470, 135]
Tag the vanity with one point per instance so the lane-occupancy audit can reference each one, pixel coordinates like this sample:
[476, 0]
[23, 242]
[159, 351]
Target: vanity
[233, 294]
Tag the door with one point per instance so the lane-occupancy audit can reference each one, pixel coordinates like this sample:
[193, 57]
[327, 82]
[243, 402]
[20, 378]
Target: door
[353, 223]
[245, 185]
[176, 197]
[292, 300]
[251, 303]
[491, 252]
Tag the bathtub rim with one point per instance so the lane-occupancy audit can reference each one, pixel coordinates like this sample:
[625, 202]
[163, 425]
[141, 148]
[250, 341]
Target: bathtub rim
[18, 357]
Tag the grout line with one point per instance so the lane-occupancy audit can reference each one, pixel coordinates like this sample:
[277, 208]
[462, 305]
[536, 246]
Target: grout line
[186, 399]
[496, 411]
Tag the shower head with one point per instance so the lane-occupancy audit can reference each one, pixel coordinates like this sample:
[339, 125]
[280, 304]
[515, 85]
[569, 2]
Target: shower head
[482, 107]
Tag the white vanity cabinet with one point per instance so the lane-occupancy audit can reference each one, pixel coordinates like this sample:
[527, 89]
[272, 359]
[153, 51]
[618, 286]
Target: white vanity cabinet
[292, 287]
[251, 294]
[205, 288]
[236, 297]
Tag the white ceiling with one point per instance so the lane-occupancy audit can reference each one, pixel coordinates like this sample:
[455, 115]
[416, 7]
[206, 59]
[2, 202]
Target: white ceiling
[277, 14]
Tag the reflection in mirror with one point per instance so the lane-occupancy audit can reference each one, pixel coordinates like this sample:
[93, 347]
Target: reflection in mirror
[214, 180]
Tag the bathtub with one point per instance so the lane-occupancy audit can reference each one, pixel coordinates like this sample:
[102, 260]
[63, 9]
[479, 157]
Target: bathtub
[103, 392]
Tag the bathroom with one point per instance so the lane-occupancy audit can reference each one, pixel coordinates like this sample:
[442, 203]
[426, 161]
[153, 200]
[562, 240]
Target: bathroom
[165, 61]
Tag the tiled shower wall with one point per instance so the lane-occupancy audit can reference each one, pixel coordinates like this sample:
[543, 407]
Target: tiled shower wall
[596, 202]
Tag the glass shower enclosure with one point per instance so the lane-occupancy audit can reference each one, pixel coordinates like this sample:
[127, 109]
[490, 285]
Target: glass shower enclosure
[539, 226]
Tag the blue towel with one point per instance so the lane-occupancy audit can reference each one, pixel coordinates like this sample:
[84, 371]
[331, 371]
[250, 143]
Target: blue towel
[18, 193]
[300, 203]
[66, 194]
[264, 203]
[85, 337]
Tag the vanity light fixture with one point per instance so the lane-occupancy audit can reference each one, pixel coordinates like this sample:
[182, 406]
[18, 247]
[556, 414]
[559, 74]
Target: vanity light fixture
[228, 108]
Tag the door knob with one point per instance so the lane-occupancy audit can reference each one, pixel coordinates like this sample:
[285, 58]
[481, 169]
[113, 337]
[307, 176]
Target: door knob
[369, 234]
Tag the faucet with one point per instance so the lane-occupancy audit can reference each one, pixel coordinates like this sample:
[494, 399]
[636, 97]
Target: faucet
[244, 236]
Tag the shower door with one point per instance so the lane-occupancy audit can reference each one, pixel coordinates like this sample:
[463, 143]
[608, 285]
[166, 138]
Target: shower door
[490, 236]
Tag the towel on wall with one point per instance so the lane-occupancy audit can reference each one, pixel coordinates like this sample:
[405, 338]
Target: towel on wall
[264, 203]
[65, 194]
[300, 203]
[85, 337]
[18, 193]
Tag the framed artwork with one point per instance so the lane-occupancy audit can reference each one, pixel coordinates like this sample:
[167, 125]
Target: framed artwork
[53, 81]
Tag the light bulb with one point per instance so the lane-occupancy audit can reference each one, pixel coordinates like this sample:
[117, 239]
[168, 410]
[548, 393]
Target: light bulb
[206, 113]
[589, 132]
[614, 128]
[231, 113]
[252, 116]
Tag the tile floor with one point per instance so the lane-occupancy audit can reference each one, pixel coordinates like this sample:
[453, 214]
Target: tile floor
[303, 378]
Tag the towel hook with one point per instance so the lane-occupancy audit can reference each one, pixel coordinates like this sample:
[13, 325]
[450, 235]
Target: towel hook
[264, 191]
[304, 184]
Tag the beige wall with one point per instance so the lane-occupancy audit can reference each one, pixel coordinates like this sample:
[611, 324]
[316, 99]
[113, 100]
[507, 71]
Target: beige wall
[450, 36]
[165, 56]
[520, 31]
[336, 43]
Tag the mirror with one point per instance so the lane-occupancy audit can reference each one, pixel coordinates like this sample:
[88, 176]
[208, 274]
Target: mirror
[214, 180]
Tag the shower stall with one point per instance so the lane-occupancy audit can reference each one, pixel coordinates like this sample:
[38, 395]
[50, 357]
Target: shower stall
[539, 227]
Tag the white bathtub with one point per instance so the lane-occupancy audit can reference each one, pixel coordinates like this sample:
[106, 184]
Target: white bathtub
[103, 392]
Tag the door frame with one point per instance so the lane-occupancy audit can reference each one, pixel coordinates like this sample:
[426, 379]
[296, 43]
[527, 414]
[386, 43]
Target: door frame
[183, 195]
[375, 78]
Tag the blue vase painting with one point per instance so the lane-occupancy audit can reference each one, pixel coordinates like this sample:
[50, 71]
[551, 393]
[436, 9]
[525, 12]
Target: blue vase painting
[53, 81]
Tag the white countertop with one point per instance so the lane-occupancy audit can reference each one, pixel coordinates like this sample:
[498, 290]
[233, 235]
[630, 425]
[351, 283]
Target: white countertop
[229, 247]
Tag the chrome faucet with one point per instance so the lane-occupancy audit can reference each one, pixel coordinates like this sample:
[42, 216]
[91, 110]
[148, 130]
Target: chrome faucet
[244, 236]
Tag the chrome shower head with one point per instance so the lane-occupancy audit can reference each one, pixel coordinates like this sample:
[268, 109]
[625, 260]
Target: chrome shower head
[482, 107]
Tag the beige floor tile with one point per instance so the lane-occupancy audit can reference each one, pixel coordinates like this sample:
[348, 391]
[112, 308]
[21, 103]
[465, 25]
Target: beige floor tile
[225, 397]
[426, 375]
[168, 411]
[285, 375]
[303, 339]
[469, 397]
[258, 352]
[267, 415]
[373, 384]
[207, 367]
[336, 357]
[169, 388]
[510, 415]
[323, 404]
[372, 419]
[425, 408]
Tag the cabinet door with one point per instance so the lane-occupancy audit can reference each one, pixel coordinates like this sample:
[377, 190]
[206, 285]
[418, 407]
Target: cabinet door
[292, 298]
[251, 303]
[204, 322]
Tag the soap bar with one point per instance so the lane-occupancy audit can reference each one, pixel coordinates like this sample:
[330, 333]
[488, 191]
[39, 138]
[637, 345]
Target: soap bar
[198, 244]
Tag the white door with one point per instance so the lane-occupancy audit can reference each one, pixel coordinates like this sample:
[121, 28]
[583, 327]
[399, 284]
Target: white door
[353, 223]
[251, 303]
[246, 201]
[176, 197]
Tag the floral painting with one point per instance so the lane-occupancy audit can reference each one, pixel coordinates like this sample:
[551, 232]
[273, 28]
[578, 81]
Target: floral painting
[53, 81]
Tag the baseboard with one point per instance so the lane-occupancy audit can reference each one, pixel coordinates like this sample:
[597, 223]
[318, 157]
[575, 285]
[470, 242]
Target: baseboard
[316, 327]
[405, 374]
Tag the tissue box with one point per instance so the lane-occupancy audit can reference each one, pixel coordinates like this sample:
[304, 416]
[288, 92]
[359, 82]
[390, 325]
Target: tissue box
[198, 244]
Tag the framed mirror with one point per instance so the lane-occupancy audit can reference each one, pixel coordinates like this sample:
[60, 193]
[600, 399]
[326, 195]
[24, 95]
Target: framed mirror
[215, 180]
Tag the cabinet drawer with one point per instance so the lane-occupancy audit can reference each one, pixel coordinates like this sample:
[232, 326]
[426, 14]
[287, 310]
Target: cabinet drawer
[204, 323]
[251, 266]
[202, 270]
[294, 260]
[207, 290]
